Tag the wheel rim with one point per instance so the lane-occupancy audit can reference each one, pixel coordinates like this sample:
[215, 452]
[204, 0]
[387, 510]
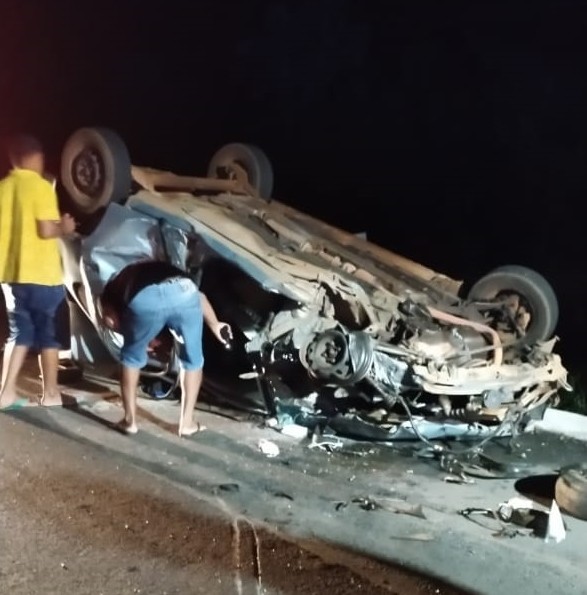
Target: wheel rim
[228, 172]
[88, 173]
[518, 309]
[113, 342]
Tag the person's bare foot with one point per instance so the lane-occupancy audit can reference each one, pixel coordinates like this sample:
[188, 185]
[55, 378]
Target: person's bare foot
[7, 400]
[15, 402]
[127, 428]
[51, 400]
[191, 429]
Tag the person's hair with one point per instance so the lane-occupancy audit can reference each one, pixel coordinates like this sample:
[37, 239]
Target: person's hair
[22, 145]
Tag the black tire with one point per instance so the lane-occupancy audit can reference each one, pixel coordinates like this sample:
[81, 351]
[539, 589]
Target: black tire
[532, 287]
[252, 159]
[571, 490]
[95, 168]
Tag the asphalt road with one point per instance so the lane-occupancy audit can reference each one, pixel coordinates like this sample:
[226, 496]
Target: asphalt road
[84, 509]
[77, 520]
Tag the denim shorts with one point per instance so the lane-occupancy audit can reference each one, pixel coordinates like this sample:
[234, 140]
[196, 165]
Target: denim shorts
[32, 314]
[175, 304]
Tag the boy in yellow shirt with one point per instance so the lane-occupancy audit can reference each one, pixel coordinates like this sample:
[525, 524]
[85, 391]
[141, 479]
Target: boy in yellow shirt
[30, 267]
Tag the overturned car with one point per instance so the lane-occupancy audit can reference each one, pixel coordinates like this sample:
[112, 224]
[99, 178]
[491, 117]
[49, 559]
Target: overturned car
[329, 328]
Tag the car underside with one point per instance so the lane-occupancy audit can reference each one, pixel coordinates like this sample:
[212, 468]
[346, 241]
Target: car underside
[330, 329]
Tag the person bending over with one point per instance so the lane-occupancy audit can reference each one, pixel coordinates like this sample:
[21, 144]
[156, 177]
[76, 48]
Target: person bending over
[139, 302]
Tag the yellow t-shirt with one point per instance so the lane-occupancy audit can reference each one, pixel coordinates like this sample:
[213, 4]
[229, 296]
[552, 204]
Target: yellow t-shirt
[25, 198]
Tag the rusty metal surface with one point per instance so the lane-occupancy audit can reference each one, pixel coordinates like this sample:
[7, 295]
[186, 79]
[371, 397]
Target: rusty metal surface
[367, 259]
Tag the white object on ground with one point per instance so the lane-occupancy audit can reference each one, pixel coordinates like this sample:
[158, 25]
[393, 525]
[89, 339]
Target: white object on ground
[268, 448]
[521, 503]
[326, 444]
[555, 530]
[295, 431]
[566, 423]
[506, 509]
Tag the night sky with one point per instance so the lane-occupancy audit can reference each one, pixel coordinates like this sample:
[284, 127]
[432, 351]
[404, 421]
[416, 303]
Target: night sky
[452, 133]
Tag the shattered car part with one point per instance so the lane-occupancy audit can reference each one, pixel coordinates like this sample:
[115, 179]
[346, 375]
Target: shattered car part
[490, 519]
[388, 348]
[394, 505]
[521, 516]
[475, 463]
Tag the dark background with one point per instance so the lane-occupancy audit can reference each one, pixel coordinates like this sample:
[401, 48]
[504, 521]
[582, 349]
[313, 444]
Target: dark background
[452, 133]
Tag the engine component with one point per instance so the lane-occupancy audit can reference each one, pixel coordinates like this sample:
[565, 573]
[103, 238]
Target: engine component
[389, 371]
[441, 344]
[466, 412]
[495, 398]
[335, 355]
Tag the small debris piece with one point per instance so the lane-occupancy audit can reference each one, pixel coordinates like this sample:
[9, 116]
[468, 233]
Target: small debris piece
[367, 503]
[555, 530]
[460, 479]
[395, 506]
[326, 445]
[268, 448]
[507, 531]
[228, 487]
[414, 537]
[295, 431]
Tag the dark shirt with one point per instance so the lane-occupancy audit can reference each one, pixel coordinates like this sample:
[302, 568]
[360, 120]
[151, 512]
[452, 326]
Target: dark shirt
[123, 287]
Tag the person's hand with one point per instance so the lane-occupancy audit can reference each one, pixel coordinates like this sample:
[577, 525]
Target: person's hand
[68, 224]
[110, 319]
[223, 332]
[112, 322]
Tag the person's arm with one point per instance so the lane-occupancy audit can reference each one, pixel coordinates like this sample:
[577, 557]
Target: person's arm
[212, 321]
[111, 303]
[47, 229]
[50, 224]
[210, 317]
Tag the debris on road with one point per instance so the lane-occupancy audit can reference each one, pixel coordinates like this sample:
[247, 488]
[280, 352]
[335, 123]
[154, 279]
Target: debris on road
[227, 487]
[521, 516]
[283, 495]
[268, 448]
[459, 479]
[555, 530]
[295, 431]
[394, 505]
[414, 537]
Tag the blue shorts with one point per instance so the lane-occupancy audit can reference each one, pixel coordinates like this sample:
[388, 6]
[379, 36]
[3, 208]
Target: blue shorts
[32, 314]
[175, 304]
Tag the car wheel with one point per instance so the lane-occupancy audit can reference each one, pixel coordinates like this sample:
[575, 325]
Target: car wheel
[252, 159]
[571, 490]
[95, 168]
[536, 300]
